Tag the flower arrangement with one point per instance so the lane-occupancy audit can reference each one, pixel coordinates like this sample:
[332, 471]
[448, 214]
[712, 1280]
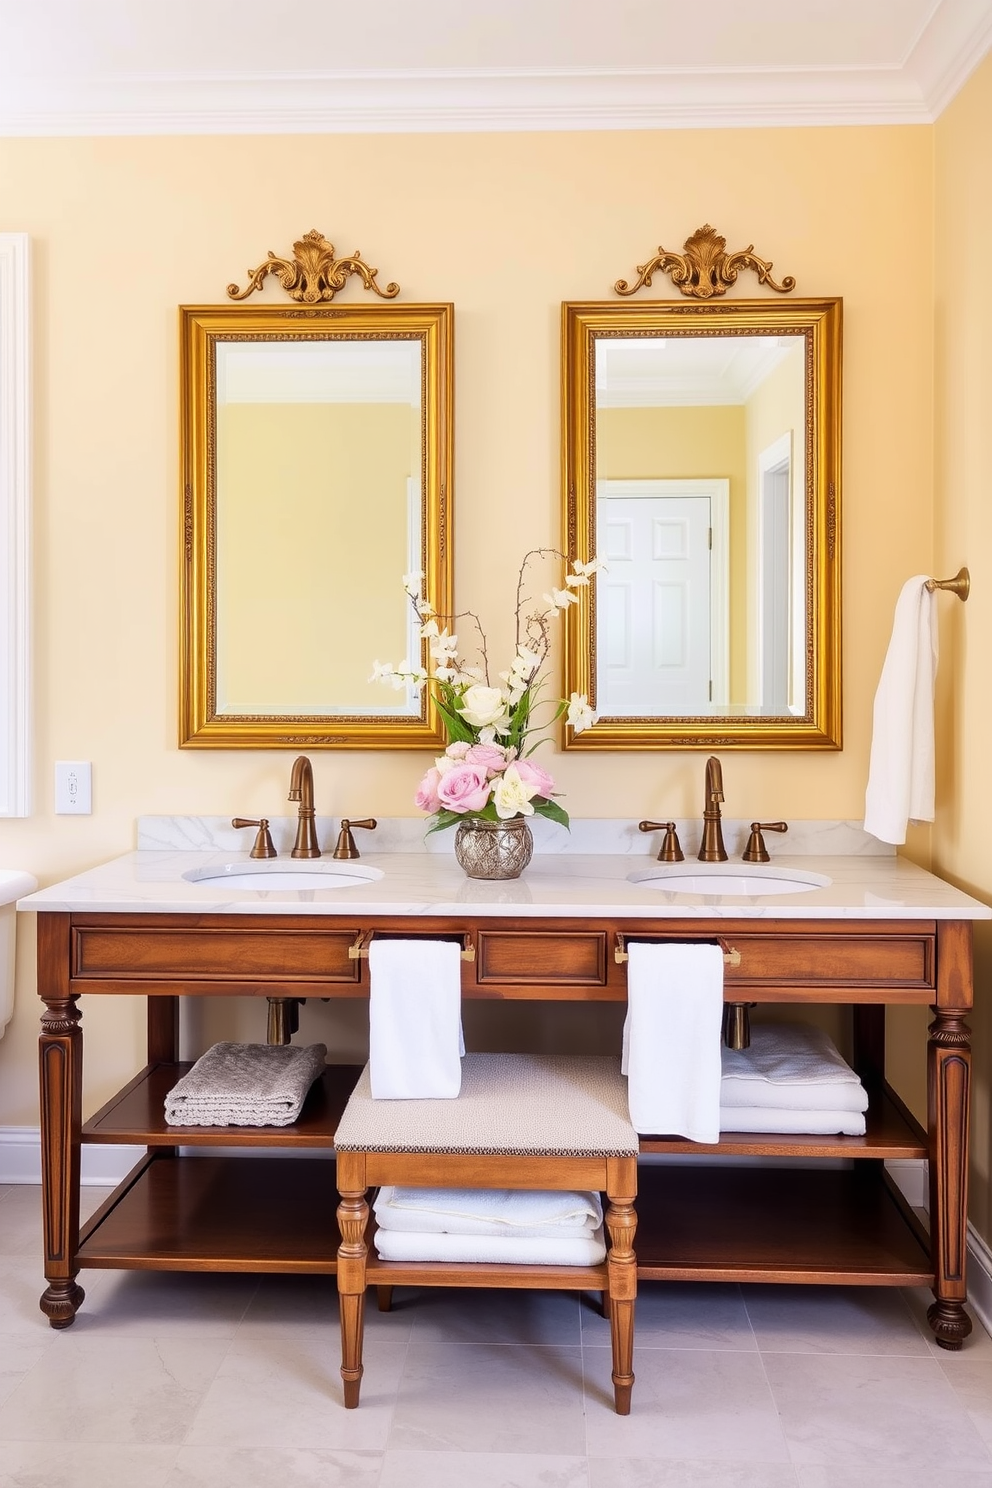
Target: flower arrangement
[486, 772]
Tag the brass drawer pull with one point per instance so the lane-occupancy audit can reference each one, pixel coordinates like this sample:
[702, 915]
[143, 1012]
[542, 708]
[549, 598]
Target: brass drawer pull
[359, 948]
[731, 956]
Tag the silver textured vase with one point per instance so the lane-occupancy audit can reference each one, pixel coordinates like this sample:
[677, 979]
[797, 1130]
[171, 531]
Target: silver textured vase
[493, 849]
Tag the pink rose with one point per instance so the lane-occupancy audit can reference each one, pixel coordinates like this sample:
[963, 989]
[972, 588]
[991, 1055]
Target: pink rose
[488, 757]
[533, 775]
[463, 789]
[427, 796]
[458, 750]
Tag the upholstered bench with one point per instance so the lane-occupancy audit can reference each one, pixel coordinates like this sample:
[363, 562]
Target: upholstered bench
[521, 1121]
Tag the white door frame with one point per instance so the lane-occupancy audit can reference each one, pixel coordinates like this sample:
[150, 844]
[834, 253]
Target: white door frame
[717, 490]
[780, 452]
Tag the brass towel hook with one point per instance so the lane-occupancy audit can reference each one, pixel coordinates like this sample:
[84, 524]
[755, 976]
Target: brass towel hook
[959, 585]
[731, 956]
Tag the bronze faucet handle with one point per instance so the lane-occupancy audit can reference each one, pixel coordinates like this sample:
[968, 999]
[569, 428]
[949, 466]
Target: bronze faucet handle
[262, 847]
[670, 851]
[756, 851]
[345, 845]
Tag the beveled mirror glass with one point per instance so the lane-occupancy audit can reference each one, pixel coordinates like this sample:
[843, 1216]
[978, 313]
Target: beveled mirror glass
[317, 472]
[701, 464]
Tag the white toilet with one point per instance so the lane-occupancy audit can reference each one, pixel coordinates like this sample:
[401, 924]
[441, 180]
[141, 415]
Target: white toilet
[12, 886]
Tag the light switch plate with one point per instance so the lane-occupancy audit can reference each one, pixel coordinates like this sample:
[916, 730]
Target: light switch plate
[73, 788]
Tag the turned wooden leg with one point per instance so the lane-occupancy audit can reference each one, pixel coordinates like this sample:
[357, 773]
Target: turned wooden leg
[621, 1265]
[61, 1067]
[948, 1097]
[353, 1216]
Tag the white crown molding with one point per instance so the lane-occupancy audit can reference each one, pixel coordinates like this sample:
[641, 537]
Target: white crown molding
[948, 49]
[15, 524]
[467, 101]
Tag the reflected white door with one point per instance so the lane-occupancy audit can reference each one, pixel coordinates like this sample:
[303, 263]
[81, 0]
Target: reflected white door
[654, 604]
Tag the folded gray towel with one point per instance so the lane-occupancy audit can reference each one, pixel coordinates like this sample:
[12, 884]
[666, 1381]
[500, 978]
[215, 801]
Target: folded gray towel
[245, 1085]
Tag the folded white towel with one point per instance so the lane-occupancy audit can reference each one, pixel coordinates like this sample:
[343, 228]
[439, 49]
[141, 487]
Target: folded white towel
[795, 1066]
[901, 766]
[415, 1024]
[400, 1245]
[774, 1119]
[513, 1213]
[671, 1038]
[245, 1085]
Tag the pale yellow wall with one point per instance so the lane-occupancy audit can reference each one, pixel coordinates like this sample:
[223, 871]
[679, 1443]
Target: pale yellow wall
[505, 227]
[962, 840]
[305, 491]
[776, 407]
[688, 443]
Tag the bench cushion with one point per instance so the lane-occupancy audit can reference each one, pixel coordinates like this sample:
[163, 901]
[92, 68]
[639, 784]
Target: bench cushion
[526, 1105]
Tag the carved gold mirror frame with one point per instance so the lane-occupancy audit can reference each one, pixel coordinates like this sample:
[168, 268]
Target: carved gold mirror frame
[812, 719]
[213, 337]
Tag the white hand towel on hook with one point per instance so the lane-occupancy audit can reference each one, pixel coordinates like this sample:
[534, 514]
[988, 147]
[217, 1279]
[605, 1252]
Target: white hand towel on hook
[671, 1039]
[415, 1019]
[901, 767]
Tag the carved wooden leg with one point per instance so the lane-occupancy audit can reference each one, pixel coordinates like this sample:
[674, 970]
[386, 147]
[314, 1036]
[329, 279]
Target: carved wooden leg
[61, 1064]
[948, 1096]
[353, 1216]
[621, 1224]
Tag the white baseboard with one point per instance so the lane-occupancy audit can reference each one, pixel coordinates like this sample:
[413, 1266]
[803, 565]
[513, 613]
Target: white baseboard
[103, 1167]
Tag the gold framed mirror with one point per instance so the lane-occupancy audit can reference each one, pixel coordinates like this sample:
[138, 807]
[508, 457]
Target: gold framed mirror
[701, 463]
[317, 459]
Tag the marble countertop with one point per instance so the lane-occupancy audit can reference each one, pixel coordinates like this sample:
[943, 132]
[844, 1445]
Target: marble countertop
[556, 883]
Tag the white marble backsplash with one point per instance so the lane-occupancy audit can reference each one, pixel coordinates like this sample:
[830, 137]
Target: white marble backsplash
[401, 834]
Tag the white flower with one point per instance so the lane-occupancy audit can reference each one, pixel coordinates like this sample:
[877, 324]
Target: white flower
[482, 707]
[511, 797]
[382, 671]
[596, 565]
[558, 599]
[429, 630]
[444, 762]
[412, 583]
[443, 647]
[579, 716]
[424, 608]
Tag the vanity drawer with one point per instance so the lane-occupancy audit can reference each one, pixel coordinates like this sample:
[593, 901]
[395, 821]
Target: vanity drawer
[527, 958]
[234, 954]
[834, 960]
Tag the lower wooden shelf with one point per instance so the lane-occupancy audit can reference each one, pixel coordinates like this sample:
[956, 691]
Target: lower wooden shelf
[694, 1223]
[218, 1214]
[776, 1225]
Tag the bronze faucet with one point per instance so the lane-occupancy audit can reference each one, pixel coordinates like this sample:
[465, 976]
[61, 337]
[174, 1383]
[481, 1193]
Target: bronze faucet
[301, 789]
[712, 849]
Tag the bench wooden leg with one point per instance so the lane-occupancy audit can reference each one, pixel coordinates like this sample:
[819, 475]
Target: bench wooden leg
[353, 1216]
[621, 1264]
[384, 1297]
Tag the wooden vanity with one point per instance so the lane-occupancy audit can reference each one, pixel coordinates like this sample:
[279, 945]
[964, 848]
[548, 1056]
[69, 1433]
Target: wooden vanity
[728, 1222]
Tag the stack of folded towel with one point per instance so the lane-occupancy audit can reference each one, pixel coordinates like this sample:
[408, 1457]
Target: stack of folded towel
[245, 1085]
[791, 1079]
[523, 1227]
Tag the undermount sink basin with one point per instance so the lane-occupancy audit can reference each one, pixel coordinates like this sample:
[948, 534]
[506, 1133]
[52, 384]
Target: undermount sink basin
[728, 879]
[289, 875]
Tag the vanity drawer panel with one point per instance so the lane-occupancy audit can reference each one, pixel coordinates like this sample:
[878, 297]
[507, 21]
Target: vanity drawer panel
[540, 958]
[210, 952]
[835, 960]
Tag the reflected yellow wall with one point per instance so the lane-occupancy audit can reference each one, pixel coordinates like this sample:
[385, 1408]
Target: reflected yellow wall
[962, 842]
[688, 444]
[777, 407]
[305, 493]
[505, 227]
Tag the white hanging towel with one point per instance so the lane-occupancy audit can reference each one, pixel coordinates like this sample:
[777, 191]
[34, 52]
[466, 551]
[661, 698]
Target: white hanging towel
[671, 1039]
[415, 1022]
[901, 767]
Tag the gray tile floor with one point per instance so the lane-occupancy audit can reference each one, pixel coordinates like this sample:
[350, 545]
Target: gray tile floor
[183, 1381]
